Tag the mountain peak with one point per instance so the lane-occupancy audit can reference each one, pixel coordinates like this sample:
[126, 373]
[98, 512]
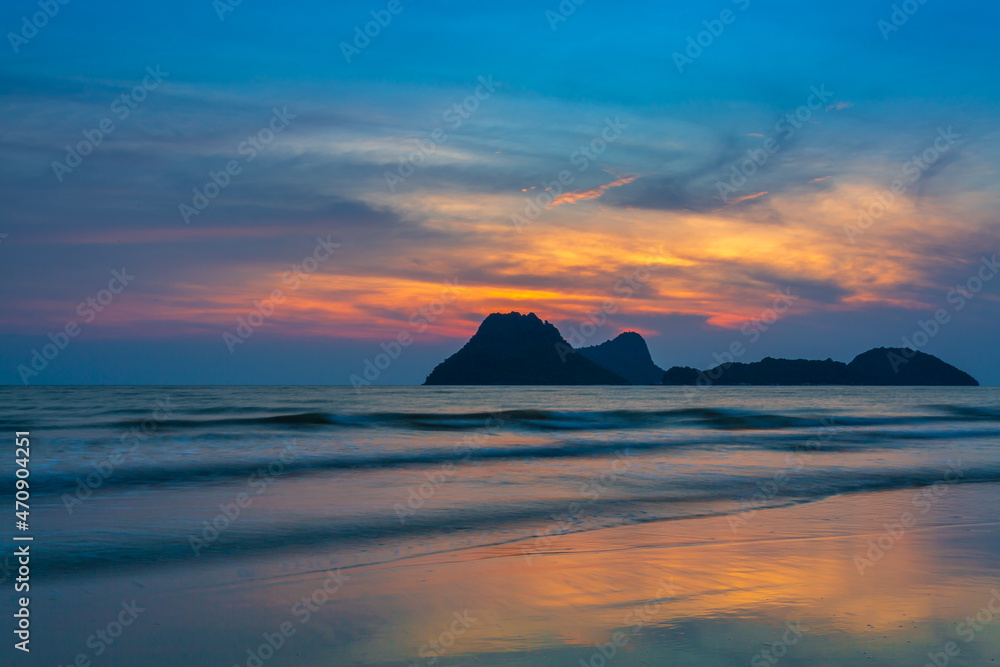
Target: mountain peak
[628, 356]
[629, 336]
[902, 366]
[514, 349]
[506, 323]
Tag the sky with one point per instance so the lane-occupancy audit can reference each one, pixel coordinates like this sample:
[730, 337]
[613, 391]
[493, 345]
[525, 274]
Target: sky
[254, 193]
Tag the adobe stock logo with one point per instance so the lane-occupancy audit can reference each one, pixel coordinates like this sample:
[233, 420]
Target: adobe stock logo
[565, 9]
[899, 17]
[88, 309]
[292, 280]
[30, 27]
[122, 107]
[714, 28]
[363, 37]
[249, 149]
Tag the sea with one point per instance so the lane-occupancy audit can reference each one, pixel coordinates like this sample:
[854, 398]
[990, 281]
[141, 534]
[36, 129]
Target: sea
[138, 479]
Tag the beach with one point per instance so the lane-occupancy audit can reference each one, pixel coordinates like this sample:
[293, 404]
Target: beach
[682, 592]
[438, 334]
[261, 527]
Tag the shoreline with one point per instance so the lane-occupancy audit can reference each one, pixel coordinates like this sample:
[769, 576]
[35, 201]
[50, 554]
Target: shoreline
[688, 591]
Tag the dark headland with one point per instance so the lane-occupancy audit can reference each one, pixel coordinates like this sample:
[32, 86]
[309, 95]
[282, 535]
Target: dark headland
[519, 349]
[516, 349]
[883, 366]
[627, 356]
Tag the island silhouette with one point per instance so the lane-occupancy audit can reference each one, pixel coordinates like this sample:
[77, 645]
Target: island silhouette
[521, 349]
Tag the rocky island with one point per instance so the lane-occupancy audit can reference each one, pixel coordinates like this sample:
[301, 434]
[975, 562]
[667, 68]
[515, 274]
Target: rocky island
[516, 349]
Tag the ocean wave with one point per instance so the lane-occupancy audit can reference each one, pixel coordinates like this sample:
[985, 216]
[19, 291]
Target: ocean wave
[509, 523]
[563, 420]
[469, 452]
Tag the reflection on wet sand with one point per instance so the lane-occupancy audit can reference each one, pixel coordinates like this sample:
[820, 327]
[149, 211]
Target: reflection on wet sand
[692, 590]
[784, 587]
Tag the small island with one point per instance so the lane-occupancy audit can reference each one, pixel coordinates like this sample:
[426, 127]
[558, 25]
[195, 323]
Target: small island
[515, 349]
[521, 349]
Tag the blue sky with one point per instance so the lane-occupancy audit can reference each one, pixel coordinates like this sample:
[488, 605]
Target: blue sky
[347, 124]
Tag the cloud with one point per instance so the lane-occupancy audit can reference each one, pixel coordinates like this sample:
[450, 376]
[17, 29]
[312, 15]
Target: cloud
[737, 200]
[593, 193]
[452, 217]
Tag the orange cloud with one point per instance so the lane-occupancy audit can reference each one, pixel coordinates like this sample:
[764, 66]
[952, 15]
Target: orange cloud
[595, 193]
[567, 264]
[736, 201]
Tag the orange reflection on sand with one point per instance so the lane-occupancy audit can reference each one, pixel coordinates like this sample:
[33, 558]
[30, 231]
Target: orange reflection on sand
[793, 564]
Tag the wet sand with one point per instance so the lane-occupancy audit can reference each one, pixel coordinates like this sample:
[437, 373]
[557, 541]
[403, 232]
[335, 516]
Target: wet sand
[781, 586]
